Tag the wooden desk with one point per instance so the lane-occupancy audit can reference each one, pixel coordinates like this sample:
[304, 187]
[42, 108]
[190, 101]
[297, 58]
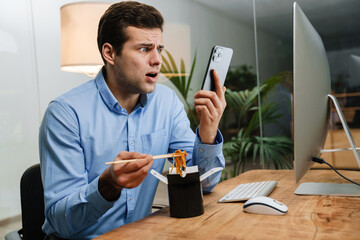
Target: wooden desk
[309, 217]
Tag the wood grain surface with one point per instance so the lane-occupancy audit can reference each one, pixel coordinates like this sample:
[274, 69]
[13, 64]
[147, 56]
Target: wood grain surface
[309, 217]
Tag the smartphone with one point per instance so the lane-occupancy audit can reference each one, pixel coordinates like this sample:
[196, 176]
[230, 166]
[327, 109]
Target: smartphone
[219, 60]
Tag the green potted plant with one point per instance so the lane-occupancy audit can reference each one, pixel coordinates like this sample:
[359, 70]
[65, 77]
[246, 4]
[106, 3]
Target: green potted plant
[242, 106]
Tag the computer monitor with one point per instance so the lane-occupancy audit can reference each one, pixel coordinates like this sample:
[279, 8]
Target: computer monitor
[311, 88]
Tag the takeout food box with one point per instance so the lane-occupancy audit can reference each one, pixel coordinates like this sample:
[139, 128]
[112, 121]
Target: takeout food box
[185, 192]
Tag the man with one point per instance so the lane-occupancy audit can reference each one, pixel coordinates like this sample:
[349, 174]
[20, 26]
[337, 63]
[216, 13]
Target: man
[121, 114]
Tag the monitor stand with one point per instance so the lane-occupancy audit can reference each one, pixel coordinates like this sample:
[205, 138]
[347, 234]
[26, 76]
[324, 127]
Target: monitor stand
[336, 189]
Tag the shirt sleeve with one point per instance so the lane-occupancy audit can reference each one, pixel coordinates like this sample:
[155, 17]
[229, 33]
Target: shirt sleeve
[208, 156]
[71, 202]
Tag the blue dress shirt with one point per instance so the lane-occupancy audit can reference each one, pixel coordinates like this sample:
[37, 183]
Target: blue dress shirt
[86, 127]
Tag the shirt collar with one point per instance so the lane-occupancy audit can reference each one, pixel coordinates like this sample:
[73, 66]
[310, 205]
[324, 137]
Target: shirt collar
[109, 99]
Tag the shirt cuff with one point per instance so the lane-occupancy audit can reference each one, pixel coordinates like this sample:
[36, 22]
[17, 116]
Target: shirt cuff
[218, 138]
[94, 197]
[208, 155]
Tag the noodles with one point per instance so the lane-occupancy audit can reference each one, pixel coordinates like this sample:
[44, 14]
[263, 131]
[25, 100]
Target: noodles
[180, 161]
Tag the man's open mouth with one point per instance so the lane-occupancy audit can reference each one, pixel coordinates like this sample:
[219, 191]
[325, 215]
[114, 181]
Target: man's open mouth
[152, 74]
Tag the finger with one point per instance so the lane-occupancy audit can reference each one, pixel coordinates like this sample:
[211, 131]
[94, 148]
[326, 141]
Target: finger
[136, 165]
[220, 95]
[207, 103]
[212, 96]
[130, 179]
[204, 111]
[217, 83]
[141, 161]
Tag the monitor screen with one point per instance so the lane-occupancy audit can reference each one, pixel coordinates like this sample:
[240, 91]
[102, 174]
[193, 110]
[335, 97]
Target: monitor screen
[311, 87]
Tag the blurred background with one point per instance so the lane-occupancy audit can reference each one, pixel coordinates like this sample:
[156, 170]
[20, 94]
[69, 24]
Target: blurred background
[259, 81]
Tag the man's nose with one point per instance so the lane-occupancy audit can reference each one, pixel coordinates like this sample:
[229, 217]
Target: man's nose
[155, 58]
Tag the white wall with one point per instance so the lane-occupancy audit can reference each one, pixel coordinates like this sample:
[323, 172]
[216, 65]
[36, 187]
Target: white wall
[31, 75]
[19, 109]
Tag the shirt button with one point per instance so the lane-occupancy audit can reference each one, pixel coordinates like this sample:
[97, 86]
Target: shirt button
[131, 143]
[117, 107]
[201, 149]
[130, 199]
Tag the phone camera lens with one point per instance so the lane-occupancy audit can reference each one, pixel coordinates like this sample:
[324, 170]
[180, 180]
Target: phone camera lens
[217, 54]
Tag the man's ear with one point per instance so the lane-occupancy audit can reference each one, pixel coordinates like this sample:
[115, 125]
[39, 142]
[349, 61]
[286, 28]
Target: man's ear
[108, 53]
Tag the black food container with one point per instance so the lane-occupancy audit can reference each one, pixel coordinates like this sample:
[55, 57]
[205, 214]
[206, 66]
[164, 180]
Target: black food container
[185, 195]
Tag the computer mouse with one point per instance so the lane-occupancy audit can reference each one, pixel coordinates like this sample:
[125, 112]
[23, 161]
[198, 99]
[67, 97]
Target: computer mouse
[265, 205]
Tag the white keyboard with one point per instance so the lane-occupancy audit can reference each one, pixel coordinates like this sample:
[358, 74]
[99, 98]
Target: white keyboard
[246, 191]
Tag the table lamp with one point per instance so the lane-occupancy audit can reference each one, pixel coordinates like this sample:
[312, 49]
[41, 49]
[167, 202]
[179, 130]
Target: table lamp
[79, 23]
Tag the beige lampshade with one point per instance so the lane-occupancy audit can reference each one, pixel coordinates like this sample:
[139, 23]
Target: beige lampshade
[79, 23]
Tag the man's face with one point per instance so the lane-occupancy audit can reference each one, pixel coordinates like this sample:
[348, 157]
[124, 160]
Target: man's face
[138, 66]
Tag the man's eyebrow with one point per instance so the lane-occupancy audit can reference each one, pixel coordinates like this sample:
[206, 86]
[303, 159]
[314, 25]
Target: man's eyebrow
[146, 44]
[151, 45]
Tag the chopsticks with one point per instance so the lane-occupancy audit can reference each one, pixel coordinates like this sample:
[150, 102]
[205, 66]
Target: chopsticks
[154, 157]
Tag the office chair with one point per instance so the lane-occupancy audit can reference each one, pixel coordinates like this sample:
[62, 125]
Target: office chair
[32, 206]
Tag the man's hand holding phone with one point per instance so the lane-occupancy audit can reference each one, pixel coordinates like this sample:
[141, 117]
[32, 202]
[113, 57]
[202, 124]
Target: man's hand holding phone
[210, 105]
[210, 102]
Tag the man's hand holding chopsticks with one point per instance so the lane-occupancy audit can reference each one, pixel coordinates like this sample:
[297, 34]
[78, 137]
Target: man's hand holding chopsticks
[127, 175]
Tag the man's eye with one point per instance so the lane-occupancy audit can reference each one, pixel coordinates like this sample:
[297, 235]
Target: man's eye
[143, 49]
[159, 50]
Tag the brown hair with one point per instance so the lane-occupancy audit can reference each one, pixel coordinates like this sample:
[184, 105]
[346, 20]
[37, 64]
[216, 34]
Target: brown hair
[119, 16]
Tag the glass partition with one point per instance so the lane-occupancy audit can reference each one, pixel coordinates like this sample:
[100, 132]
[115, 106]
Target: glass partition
[338, 24]
[274, 43]
[257, 124]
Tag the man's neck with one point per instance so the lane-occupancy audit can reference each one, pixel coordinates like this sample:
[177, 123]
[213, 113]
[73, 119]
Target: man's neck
[124, 98]
[128, 103]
